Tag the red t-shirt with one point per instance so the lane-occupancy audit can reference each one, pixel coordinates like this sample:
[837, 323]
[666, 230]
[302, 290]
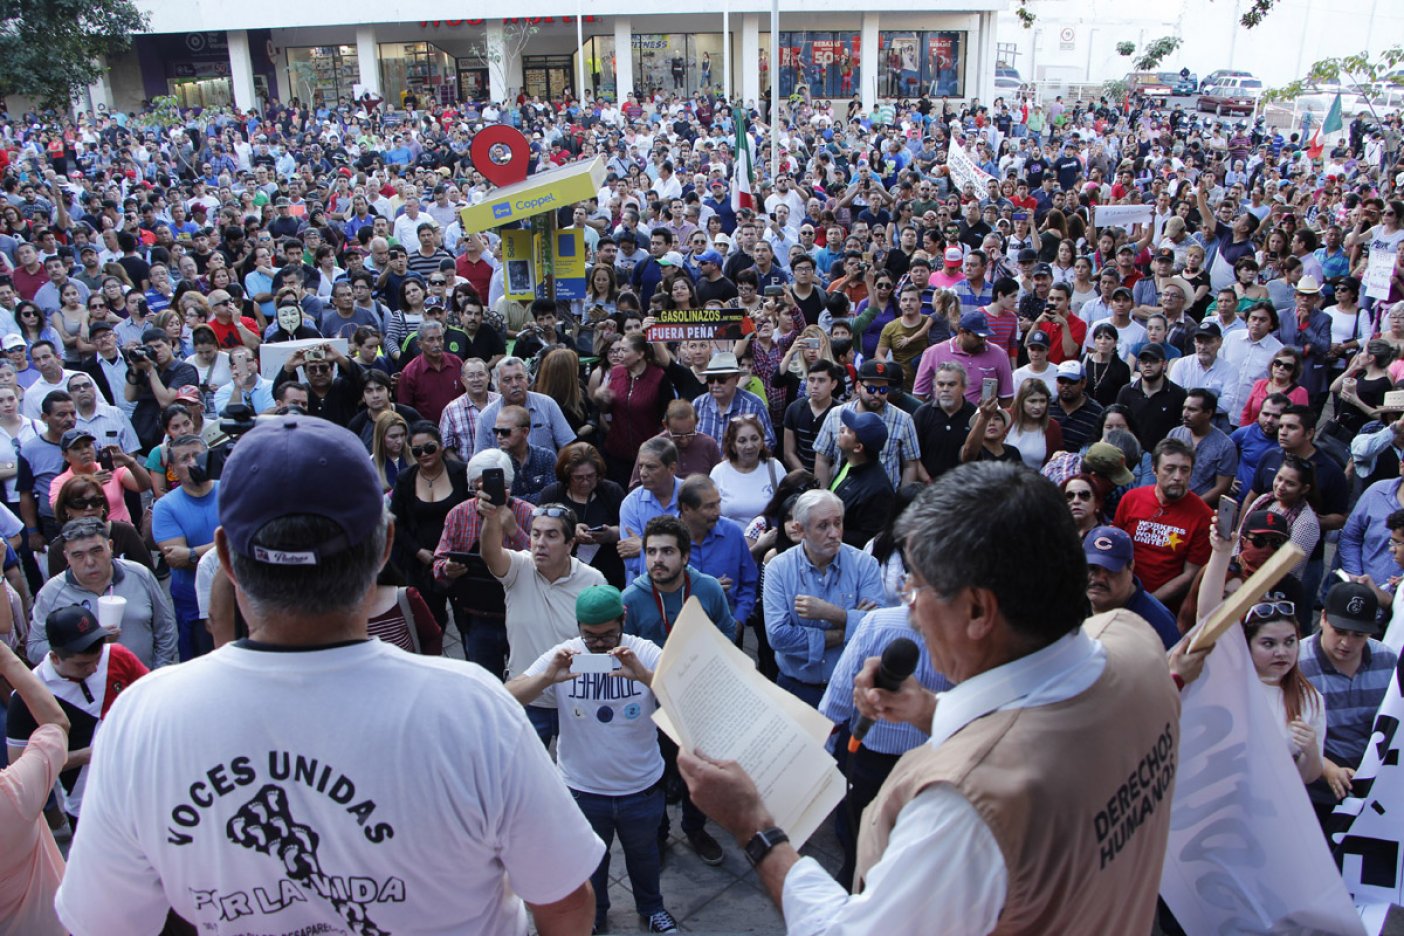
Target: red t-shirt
[1164, 537]
[1055, 339]
[228, 335]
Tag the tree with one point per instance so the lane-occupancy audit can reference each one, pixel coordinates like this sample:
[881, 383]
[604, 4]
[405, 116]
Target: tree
[52, 49]
[1359, 73]
[1153, 55]
[515, 36]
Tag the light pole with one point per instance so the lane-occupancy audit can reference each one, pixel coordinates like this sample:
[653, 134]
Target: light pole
[774, 86]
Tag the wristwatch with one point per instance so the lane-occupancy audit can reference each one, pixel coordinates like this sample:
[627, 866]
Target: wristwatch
[762, 842]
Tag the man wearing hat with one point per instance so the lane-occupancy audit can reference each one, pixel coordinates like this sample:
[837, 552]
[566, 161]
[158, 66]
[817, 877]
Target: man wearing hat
[1035, 299]
[80, 449]
[862, 485]
[972, 351]
[1156, 403]
[234, 807]
[1038, 368]
[724, 400]
[1076, 412]
[1352, 670]
[712, 284]
[86, 673]
[608, 752]
[877, 381]
[1309, 331]
[1112, 582]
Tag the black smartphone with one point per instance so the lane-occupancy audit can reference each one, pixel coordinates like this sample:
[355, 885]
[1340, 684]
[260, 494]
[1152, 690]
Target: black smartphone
[462, 558]
[105, 461]
[495, 483]
[772, 292]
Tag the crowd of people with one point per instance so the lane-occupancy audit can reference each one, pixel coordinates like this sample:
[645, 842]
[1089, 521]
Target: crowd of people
[555, 483]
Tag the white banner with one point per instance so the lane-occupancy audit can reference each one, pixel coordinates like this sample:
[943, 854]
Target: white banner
[1246, 854]
[1378, 271]
[1369, 824]
[964, 171]
[1122, 215]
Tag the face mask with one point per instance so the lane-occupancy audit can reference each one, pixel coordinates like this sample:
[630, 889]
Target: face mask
[289, 318]
[200, 471]
[1252, 557]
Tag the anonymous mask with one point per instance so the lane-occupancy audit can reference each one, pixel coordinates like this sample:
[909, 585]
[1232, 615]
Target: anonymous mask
[289, 318]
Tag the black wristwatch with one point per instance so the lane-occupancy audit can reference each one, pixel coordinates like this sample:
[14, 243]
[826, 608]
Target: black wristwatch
[762, 842]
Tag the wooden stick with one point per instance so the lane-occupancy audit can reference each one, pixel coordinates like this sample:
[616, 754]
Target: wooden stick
[1237, 604]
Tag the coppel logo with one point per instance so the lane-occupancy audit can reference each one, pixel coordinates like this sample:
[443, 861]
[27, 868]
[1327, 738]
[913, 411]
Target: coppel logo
[503, 210]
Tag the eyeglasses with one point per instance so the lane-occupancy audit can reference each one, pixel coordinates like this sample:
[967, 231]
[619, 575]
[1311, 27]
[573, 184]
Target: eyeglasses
[608, 637]
[879, 390]
[503, 431]
[680, 436]
[1284, 364]
[1272, 609]
[910, 590]
[87, 503]
[438, 282]
[428, 448]
[1077, 495]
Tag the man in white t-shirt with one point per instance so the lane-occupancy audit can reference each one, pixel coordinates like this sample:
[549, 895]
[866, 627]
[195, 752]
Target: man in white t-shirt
[541, 584]
[279, 793]
[608, 752]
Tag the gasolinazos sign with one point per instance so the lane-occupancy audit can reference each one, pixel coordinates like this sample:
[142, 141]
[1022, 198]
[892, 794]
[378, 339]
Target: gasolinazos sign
[699, 324]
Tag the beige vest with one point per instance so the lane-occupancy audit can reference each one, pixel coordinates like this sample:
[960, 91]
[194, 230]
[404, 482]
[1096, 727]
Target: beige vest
[1076, 793]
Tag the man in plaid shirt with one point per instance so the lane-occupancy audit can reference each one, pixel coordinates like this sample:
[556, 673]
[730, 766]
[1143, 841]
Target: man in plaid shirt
[459, 422]
[724, 400]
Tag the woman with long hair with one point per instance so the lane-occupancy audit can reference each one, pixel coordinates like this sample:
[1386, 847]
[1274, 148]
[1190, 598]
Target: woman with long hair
[1065, 261]
[1084, 287]
[171, 322]
[1362, 386]
[390, 447]
[15, 430]
[424, 493]
[70, 322]
[1294, 496]
[1086, 494]
[1053, 232]
[601, 292]
[875, 311]
[1273, 635]
[1106, 372]
[681, 294]
[401, 323]
[558, 377]
[33, 326]
[1283, 373]
[886, 548]
[748, 475]
[1033, 430]
[635, 394]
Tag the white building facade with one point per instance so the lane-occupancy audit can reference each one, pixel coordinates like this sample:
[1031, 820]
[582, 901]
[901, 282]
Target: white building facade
[214, 53]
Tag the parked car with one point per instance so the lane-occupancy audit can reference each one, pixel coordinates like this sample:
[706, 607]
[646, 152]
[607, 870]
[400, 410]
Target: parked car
[1230, 95]
[1148, 83]
[1215, 77]
[1185, 85]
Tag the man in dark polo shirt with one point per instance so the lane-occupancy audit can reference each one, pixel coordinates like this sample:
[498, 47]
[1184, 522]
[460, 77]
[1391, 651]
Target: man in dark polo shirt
[1076, 412]
[805, 416]
[862, 484]
[943, 422]
[1155, 402]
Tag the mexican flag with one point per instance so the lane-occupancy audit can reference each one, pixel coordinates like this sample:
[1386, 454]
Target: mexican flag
[743, 171]
[1328, 132]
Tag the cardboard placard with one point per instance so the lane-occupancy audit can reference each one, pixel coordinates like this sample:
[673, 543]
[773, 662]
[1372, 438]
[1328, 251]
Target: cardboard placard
[699, 324]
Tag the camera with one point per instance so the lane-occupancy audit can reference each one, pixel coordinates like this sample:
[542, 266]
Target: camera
[142, 354]
[315, 354]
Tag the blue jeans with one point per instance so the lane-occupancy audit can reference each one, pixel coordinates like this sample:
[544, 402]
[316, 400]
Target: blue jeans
[546, 721]
[635, 818]
[192, 637]
[812, 695]
[485, 642]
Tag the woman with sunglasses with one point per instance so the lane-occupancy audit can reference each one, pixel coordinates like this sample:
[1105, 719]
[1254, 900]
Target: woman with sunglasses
[1283, 372]
[1086, 494]
[747, 476]
[423, 495]
[33, 326]
[81, 496]
[1273, 634]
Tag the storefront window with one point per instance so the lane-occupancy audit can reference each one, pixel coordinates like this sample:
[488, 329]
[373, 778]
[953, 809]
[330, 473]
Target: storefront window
[548, 77]
[678, 63]
[419, 68]
[916, 63]
[823, 63]
[323, 74]
[600, 67]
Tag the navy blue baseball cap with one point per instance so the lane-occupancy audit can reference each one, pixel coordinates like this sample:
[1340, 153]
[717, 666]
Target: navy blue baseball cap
[1108, 547]
[72, 629]
[976, 323]
[298, 465]
[868, 427]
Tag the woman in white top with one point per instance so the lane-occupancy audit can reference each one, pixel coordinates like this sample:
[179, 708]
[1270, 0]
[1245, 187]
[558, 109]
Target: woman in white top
[1032, 431]
[1084, 288]
[1274, 638]
[15, 430]
[748, 475]
[1065, 261]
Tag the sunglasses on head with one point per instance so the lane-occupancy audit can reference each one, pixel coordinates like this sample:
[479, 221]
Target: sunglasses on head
[428, 448]
[1272, 609]
[552, 511]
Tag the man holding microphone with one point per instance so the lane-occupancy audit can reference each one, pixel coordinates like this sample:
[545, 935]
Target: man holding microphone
[991, 821]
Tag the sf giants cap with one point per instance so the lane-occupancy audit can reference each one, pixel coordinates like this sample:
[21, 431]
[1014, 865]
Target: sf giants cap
[298, 465]
[877, 370]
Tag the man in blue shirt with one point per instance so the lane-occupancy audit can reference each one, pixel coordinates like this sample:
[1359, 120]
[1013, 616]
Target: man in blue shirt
[815, 595]
[652, 603]
[719, 547]
[1257, 439]
[1112, 583]
[183, 524]
[656, 494]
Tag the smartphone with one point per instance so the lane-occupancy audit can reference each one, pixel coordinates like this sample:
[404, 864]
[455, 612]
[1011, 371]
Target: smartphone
[105, 461]
[462, 558]
[495, 483]
[593, 663]
[1021, 216]
[989, 389]
[773, 292]
[596, 529]
[1228, 517]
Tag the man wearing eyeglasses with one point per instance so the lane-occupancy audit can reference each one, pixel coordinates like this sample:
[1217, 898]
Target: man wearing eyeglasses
[1112, 581]
[234, 330]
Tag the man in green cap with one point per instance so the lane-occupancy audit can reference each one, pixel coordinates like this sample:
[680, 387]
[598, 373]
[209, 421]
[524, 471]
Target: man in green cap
[608, 750]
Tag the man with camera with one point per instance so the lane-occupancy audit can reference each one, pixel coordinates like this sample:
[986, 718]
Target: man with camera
[334, 393]
[153, 375]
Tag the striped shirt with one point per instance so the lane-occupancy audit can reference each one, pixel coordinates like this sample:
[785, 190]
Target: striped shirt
[878, 629]
[1351, 701]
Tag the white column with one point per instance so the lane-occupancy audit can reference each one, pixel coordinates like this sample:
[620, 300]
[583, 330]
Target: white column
[241, 70]
[869, 68]
[623, 58]
[989, 40]
[750, 59]
[368, 59]
[495, 40]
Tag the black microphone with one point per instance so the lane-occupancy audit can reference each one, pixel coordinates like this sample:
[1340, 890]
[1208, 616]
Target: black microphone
[898, 662]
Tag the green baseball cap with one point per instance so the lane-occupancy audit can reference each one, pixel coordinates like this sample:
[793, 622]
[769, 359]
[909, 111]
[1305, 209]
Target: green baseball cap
[599, 604]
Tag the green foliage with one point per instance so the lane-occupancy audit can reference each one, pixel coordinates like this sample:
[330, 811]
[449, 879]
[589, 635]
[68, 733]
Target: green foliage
[165, 112]
[1354, 73]
[50, 48]
[1157, 52]
[1125, 48]
[1115, 90]
[1026, 16]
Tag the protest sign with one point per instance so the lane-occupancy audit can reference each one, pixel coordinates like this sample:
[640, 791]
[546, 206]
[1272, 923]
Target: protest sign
[1246, 854]
[963, 169]
[698, 324]
[1122, 215]
[1379, 269]
[1367, 828]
